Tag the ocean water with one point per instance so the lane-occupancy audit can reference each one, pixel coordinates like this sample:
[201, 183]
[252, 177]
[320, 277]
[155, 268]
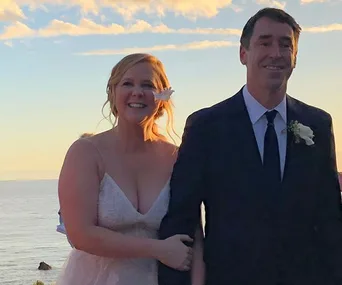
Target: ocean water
[28, 219]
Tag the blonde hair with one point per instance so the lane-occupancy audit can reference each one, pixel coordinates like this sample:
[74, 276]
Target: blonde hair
[150, 127]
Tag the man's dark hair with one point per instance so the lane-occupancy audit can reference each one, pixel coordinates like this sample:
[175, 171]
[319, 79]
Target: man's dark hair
[274, 14]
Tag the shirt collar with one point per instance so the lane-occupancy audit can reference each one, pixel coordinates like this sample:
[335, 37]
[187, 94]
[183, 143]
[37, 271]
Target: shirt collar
[256, 110]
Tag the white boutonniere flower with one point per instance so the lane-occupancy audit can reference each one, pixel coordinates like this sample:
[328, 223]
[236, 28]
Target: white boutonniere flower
[301, 132]
[164, 95]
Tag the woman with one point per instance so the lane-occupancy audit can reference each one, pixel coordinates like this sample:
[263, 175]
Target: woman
[114, 187]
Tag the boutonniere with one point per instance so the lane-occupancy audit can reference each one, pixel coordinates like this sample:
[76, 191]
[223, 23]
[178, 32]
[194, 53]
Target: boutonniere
[164, 95]
[301, 132]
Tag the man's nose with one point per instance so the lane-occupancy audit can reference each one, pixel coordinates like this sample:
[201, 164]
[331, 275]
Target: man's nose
[275, 51]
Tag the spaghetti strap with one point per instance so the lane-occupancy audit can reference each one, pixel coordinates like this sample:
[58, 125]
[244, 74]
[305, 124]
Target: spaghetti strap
[102, 161]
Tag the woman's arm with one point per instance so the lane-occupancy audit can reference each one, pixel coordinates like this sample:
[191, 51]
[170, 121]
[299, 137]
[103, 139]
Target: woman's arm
[78, 190]
[198, 266]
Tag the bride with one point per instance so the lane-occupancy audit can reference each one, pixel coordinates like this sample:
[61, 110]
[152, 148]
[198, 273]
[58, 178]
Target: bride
[114, 187]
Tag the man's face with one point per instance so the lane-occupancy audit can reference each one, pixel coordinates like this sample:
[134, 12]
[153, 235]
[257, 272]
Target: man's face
[271, 55]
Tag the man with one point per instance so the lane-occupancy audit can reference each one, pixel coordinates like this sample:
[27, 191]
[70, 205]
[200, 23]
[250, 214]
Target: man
[264, 165]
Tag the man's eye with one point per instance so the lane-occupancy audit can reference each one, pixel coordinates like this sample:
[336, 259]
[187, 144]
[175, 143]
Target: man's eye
[265, 44]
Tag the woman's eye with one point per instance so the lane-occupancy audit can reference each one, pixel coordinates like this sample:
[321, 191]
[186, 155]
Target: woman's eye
[148, 85]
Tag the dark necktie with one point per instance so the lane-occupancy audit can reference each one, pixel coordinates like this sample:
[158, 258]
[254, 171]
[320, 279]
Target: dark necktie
[271, 149]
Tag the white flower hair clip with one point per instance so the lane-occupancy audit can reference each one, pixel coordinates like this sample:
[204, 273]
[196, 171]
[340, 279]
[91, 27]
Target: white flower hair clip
[164, 95]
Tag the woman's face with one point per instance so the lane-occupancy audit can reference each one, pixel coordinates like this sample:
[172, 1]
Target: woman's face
[134, 99]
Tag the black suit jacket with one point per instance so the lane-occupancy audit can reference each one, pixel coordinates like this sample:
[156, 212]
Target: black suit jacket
[255, 233]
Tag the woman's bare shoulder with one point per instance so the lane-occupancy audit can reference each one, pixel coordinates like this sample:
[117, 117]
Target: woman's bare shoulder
[86, 148]
[97, 139]
[169, 149]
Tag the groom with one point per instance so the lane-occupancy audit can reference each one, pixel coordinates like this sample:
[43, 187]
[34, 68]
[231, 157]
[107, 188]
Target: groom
[264, 165]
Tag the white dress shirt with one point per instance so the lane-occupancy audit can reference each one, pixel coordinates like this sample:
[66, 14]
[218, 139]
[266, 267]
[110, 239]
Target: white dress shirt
[258, 118]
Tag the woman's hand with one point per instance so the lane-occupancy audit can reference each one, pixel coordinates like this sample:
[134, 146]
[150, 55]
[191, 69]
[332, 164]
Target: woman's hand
[174, 253]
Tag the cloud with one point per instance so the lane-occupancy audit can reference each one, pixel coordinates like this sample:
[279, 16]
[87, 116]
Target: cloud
[272, 3]
[205, 31]
[88, 27]
[17, 30]
[85, 6]
[128, 9]
[312, 1]
[324, 29]
[8, 43]
[10, 11]
[236, 8]
[200, 45]
[187, 8]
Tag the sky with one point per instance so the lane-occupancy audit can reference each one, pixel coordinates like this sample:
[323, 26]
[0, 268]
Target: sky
[56, 57]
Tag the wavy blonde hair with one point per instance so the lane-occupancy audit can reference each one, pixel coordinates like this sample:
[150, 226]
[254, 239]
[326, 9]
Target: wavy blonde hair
[151, 131]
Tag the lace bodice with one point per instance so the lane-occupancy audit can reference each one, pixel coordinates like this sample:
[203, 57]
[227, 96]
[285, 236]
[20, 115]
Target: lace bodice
[117, 213]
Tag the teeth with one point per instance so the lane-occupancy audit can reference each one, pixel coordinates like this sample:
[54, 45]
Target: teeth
[136, 105]
[272, 67]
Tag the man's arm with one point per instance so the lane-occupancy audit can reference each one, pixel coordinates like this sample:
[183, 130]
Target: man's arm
[187, 190]
[330, 226]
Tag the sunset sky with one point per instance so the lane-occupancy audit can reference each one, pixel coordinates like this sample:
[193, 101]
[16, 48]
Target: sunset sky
[56, 57]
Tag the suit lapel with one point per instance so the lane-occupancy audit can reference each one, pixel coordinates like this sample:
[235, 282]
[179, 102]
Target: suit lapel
[296, 152]
[291, 116]
[245, 139]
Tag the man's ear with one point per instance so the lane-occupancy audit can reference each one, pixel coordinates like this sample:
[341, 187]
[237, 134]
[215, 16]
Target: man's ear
[243, 55]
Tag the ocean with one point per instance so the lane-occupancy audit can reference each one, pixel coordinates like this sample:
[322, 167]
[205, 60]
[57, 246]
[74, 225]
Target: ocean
[28, 219]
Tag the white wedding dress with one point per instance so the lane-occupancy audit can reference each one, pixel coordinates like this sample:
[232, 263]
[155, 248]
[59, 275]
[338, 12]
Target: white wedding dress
[117, 213]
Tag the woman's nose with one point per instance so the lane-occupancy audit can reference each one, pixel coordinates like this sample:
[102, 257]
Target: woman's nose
[137, 91]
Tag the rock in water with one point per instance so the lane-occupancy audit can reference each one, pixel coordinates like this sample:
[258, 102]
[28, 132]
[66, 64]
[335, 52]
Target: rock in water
[44, 266]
